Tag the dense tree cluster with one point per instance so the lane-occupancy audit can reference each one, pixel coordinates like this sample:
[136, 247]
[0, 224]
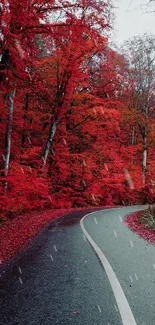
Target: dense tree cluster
[77, 118]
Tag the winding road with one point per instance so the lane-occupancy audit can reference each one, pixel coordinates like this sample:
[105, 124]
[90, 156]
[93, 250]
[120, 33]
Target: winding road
[81, 270]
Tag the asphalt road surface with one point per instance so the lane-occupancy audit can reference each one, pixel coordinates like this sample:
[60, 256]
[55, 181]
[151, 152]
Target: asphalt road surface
[89, 272]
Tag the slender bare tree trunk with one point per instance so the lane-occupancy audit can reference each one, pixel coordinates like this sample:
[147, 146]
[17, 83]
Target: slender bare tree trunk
[8, 132]
[144, 162]
[7, 148]
[52, 132]
[25, 117]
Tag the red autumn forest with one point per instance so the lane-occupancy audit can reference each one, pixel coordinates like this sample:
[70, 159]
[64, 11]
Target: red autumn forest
[77, 116]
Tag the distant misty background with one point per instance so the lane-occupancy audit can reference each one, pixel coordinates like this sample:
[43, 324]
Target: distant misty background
[133, 17]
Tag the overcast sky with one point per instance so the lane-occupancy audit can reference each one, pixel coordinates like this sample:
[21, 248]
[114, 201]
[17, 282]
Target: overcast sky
[133, 18]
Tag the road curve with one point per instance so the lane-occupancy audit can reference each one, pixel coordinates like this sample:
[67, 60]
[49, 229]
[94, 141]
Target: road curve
[122, 303]
[60, 280]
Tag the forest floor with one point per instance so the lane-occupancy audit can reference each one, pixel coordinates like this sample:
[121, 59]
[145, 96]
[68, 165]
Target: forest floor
[143, 223]
[17, 233]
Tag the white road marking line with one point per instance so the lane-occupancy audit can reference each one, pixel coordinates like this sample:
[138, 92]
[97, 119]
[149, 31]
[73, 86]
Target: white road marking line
[84, 237]
[115, 233]
[131, 279]
[136, 276]
[52, 258]
[95, 221]
[99, 308]
[154, 266]
[55, 248]
[20, 271]
[116, 308]
[20, 280]
[120, 218]
[124, 308]
[131, 243]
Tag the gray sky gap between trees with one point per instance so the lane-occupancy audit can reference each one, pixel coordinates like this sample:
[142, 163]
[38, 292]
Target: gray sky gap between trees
[133, 17]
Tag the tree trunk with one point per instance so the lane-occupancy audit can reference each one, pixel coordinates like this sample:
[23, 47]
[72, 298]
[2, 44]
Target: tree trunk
[144, 162]
[49, 142]
[25, 117]
[7, 148]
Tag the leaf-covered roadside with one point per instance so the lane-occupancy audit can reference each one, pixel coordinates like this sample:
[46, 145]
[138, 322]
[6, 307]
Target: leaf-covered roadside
[16, 234]
[141, 222]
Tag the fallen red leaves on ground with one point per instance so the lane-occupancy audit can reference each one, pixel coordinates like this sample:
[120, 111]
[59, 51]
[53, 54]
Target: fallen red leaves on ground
[140, 229]
[17, 233]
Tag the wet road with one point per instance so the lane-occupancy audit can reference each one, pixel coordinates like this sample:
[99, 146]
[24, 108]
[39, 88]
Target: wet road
[59, 279]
